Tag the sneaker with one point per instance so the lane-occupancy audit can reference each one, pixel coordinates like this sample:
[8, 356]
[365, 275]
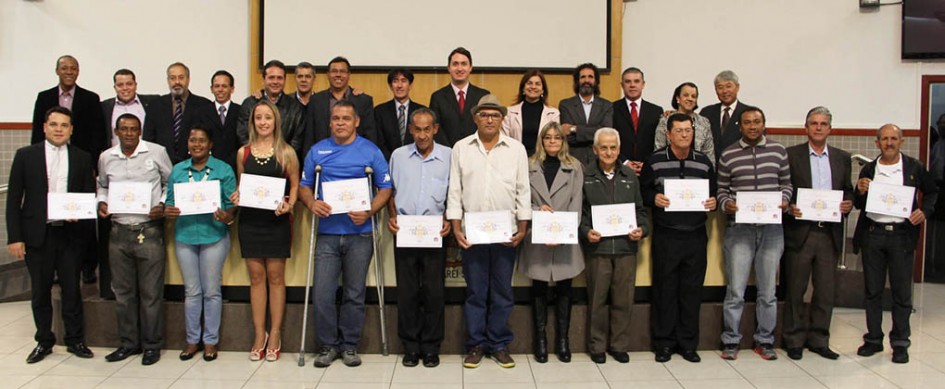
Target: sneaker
[503, 359]
[325, 356]
[730, 352]
[350, 358]
[766, 351]
[474, 358]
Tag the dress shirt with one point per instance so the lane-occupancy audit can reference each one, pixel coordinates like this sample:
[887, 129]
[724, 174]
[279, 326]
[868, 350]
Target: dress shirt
[820, 169]
[148, 163]
[493, 180]
[183, 100]
[406, 106]
[66, 97]
[731, 112]
[420, 183]
[456, 90]
[227, 104]
[133, 107]
[203, 228]
[332, 100]
[587, 105]
[57, 168]
[892, 175]
[639, 103]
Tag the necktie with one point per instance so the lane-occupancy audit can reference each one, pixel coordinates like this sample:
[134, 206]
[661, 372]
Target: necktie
[726, 118]
[634, 115]
[400, 120]
[462, 101]
[178, 117]
[222, 115]
[54, 170]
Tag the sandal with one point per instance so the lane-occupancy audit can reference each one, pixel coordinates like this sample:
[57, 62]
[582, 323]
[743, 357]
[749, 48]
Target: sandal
[272, 355]
[256, 354]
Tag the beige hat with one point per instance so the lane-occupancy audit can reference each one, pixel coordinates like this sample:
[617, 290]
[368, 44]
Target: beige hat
[490, 101]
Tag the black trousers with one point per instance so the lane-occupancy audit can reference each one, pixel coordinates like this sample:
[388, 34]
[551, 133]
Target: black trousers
[420, 283]
[815, 262]
[887, 252]
[679, 264]
[60, 254]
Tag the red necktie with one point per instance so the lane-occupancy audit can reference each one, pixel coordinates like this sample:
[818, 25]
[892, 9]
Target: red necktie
[634, 115]
[462, 101]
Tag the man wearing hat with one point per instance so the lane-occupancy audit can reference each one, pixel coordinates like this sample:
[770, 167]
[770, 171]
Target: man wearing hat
[488, 159]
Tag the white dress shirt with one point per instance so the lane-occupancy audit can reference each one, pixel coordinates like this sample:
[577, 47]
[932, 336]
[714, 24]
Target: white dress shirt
[57, 168]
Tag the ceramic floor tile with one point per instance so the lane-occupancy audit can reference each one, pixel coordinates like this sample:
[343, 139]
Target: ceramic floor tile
[573, 385]
[136, 383]
[635, 371]
[15, 363]
[165, 368]
[451, 373]
[279, 384]
[756, 367]
[490, 373]
[228, 366]
[59, 382]
[734, 383]
[366, 373]
[22, 326]
[353, 385]
[844, 366]
[567, 372]
[658, 384]
[505, 385]
[710, 368]
[92, 367]
[805, 382]
[207, 384]
[286, 369]
[15, 381]
[414, 385]
[855, 382]
[917, 380]
[10, 344]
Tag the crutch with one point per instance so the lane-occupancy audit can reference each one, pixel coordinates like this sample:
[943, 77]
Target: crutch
[378, 265]
[308, 273]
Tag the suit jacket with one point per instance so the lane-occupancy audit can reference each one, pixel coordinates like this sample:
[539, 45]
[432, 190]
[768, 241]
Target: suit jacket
[581, 142]
[545, 263]
[731, 134]
[318, 114]
[88, 124]
[455, 125]
[636, 144]
[28, 188]
[388, 130]
[796, 231]
[159, 125]
[108, 109]
[512, 124]
[225, 140]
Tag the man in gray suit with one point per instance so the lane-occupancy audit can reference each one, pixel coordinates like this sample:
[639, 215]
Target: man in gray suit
[585, 112]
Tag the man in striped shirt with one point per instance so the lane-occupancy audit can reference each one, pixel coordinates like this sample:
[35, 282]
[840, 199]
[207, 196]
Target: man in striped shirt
[754, 163]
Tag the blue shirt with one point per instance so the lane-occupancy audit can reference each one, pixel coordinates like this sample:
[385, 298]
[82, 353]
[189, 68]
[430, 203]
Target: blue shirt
[344, 162]
[820, 169]
[202, 229]
[420, 184]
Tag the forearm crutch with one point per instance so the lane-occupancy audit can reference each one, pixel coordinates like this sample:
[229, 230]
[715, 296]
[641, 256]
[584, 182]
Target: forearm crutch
[378, 265]
[308, 272]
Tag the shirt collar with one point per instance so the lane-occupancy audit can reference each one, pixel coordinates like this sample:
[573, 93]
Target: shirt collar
[397, 104]
[141, 148]
[814, 153]
[456, 89]
[133, 101]
[53, 148]
[434, 154]
[888, 170]
[732, 107]
[639, 102]
[581, 99]
[670, 155]
[226, 104]
[761, 143]
[70, 93]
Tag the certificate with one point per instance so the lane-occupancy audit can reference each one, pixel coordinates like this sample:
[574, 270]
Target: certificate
[686, 195]
[195, 198]
[261, 192]
[71, 206]
[129, 197]
[419, 231]
[758, 207]
[554, 227]
[889, 199]
[347, 195]
[614, 219]
[819, 205]
[488, 227]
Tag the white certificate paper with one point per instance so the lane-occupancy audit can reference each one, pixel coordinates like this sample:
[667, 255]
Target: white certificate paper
[261, 192]
[614, 219]
[195, 198]
[758, 207]
[419, 231]
[347, 195]
[819, 205]
[128, 197]
[889, 199]
[686, 195]
[554, 227]
[69, 206]
[488, 227]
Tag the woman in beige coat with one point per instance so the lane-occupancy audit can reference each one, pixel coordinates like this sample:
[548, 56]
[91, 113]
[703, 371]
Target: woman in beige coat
[556, 185]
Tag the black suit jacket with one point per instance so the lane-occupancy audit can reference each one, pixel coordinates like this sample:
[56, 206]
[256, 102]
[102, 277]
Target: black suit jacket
[731, 134]
[636, 144]
[108, 109]
[88, 124]
[796, 231]
[28, 188]
[225, 140]
[159, 125]
[318, 118]
[388, 130]
[455, 125]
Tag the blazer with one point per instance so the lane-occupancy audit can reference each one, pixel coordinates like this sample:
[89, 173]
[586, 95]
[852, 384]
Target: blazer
[318, 118]
[581, 142]
[88, 124]
[388, 130]
[108, 109]
[28, 188]
[541, 262]
[225, 139]
[159, 125]
[455, 125]
[636, 144]
[796, 231]
[731, 134]
[512, 124]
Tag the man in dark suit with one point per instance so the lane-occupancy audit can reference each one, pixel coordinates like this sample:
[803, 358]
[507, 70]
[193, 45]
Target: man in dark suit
[291, 111]
[636, 120]
[585, 112]
[812, 247]
[392, 116]
[172, 116]
[453, 103]
[318, 113]
[126, 100]
[221, 118]
[724, 116]
[50, 247]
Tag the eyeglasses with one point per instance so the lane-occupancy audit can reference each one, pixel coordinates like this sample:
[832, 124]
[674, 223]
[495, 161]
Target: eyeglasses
[493, 116]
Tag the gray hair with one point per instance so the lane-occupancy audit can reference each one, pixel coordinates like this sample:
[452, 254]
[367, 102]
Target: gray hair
[606, 131]
[424, 111]
[726, 75]
[819, 110]
[879, 132]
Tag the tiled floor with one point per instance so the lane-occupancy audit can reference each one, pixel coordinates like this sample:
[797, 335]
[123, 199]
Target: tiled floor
[233, 370]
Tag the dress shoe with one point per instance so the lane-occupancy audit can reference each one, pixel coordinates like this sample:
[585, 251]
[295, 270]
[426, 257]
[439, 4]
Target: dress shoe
[663, 354]
[825, 352]
[795, 353]
[599, 357]
[411, 359]
[690, 356]
[431, 360]
[900, 354]
[190, 351]
[620, 356]
[80, 350]
[868, 349]
[210, 353]
[121, 354]
[38, 353]
[151, 356]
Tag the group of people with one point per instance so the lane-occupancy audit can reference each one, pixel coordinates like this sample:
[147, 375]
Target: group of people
[465, 153]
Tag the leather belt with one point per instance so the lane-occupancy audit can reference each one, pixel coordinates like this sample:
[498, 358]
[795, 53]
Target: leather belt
[139, 226]
[888, 227]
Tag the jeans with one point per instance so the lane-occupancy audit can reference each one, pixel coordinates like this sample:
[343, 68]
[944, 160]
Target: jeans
[348, 256]
[887, 251]
[746, 245]
[489, 301]
[202, 268]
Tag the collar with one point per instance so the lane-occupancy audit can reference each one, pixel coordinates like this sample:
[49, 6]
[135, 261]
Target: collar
[588, 102]
[141, 148]
[133, 101]
[638, 101]
[890, 169]
[456, 90]
[70, 92]
[434, 154]
[397, 105]
[53, 148]
[188, 164]
[265, 96]
[761, 143]
[731, 107]
[226, 104]
[183, 96]
[503, 140]
[810, 150]
[672, 156]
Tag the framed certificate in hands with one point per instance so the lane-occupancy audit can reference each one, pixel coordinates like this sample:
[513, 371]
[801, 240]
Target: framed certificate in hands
[419, 231]
[129, 197]
[71, 206]
[614, 219]
[488, 227]
[196, 198]
[347, 195]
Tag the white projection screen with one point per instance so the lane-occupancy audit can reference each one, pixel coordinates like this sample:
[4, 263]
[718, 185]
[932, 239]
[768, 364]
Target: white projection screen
[379, 34]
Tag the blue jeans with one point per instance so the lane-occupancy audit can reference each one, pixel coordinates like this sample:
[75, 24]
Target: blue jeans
[348, 256]
[746, 245]
[488, 271]
[202, 268]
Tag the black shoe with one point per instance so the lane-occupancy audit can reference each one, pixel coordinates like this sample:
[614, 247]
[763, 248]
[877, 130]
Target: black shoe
[664, 354]
[598, 357]
[620, 356]
[79, 350]
[89, 277]
[690, 355]
[151, 356]
[411, 359]
[900, 354]
[825, 352]
[121, 354]
[868, 349]
[431, 360]
[186, 356]
[38, 353]
[795, 353]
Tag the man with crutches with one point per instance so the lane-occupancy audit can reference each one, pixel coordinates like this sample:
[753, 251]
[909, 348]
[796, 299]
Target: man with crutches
[345, 241]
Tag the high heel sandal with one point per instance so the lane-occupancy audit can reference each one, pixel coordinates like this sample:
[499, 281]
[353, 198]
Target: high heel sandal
[272, 355]
[256, 354]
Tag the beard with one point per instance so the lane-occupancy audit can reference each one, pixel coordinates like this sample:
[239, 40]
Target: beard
[588, 89]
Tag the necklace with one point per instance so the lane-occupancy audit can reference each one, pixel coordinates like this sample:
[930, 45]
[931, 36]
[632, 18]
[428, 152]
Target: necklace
[190, 175]
[261, 158]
